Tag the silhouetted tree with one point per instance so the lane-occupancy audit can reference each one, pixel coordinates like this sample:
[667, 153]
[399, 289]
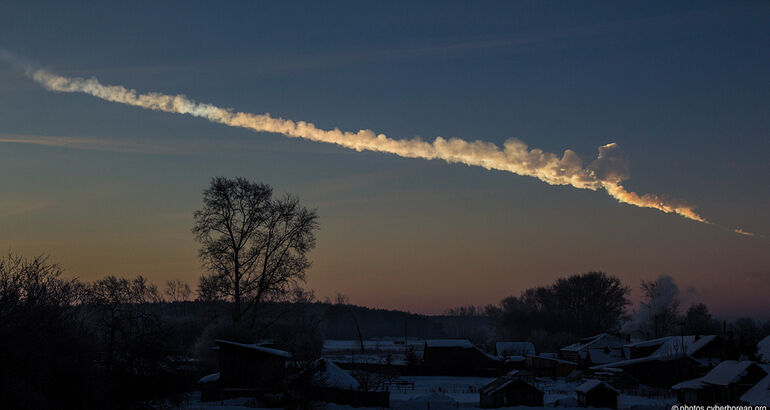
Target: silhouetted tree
[698, 321]
[575, 306]
[747, 335]
[126, 325]
[591, 303]
[44, 357]
[177, 291]
[254, 246]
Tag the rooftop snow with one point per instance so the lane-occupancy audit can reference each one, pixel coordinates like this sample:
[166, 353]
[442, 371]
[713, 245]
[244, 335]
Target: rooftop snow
[552, 359]
[675, 345]
[256, 347]
[333, 376]
[727, 372]
[602, 339]
[514, 348]
[210, 378]
[760, 393]
[592, 384]
[724, 374]
[497, 384]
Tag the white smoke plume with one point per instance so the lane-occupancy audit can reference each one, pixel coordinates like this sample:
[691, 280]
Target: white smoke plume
[607, 172]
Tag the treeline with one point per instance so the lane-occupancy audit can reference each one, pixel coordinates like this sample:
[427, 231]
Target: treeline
[126, 343]
[69, 344]
[586, 304]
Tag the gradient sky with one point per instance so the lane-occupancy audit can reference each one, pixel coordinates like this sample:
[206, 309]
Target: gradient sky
[684, 88]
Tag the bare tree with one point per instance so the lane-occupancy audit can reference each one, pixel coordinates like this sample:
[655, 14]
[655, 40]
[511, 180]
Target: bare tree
[254, 246]
[177, 291]
[123, 319]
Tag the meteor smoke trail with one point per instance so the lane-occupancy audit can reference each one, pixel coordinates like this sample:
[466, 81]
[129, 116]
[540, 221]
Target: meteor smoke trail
[606, 172]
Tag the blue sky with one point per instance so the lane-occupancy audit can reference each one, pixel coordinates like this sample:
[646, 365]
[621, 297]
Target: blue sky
[682, 87]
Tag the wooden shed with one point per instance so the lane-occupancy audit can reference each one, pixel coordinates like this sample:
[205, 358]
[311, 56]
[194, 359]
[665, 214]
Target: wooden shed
[250, 366]
[509, 391]
[596, 393]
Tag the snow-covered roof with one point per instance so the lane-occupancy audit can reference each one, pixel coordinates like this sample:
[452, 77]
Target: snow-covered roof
[592, 384]
[331, 375]
[497, 385]
[675, 345]
[551, 358]
[727, 372]
[514, 348]
[724, 374]
[600, 340]
[763, 349]
[629, 362]
[604, 355]
[462, 343]
[759, 394]
[209, 378]
[256, 347]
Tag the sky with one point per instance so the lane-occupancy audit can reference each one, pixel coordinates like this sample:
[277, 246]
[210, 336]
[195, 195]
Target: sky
[682, 87]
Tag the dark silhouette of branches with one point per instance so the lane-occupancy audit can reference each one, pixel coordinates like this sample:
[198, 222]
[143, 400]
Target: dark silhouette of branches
[254, 245]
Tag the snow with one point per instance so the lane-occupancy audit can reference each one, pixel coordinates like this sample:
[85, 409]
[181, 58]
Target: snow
[497, 385]
[257, 347]
[549, 357]
[462, 343]
[599, 355]
[727, 372]
[759, 394]
[464, 390]
[588, 386]
[193, 403]
[724, 374]
[672, 346]
[514, 348]
[331, 375]
[763, 349]
[600, 340]
[210, 378]
[433, 401]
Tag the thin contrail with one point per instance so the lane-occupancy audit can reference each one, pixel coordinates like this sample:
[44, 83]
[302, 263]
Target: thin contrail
[607, 172]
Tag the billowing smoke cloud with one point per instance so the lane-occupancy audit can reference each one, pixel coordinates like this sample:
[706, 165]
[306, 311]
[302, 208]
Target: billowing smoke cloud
[607, 172]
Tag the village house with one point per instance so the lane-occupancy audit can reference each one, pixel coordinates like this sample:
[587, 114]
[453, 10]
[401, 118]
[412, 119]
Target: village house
[724, 384]
[509, 391]
[708, 350]
[244, 369]
[457, 357]
[332, 384]
[599, 349]
[657, 371]
[669, 360]
[596, 393]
